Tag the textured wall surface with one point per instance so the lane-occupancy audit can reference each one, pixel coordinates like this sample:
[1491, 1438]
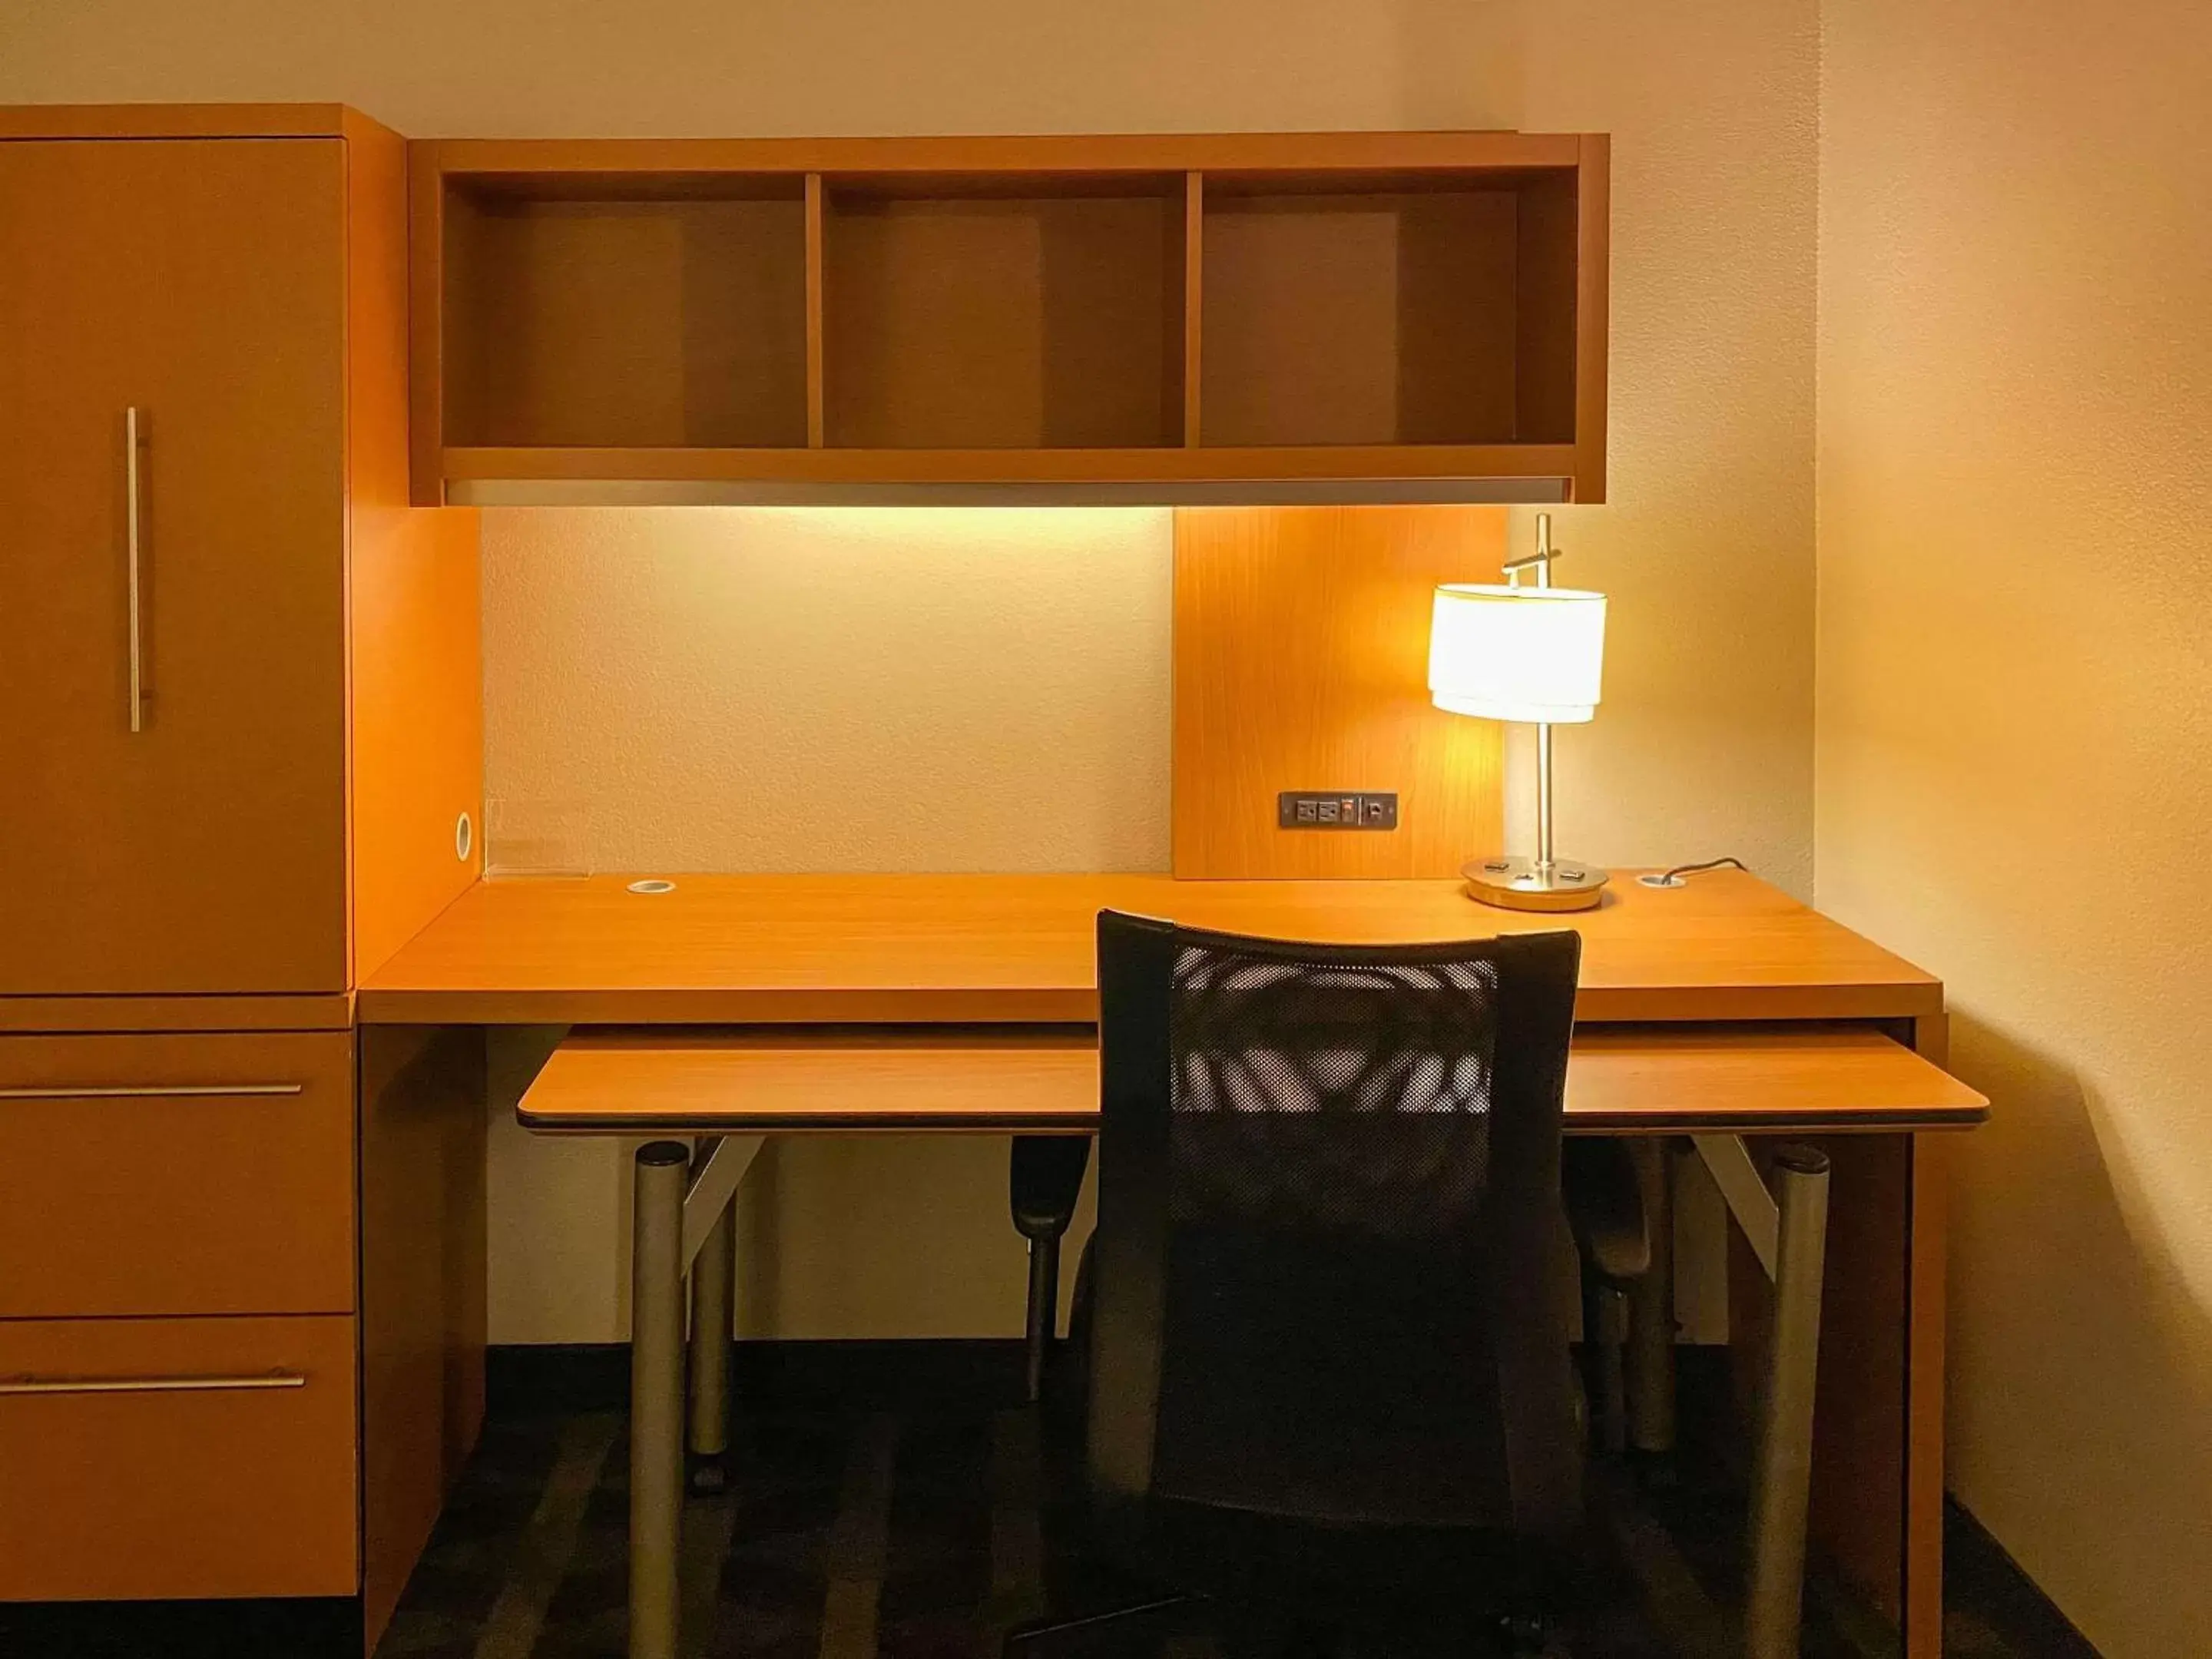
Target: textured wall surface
[1704, 744]
[717, 689]
[2015, 728]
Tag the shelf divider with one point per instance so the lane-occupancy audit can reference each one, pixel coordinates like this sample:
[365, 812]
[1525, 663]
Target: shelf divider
[817, 397]
[1592, 206]
[1194, 277]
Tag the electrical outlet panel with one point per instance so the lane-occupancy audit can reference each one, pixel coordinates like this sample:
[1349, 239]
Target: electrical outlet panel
[1336, 809]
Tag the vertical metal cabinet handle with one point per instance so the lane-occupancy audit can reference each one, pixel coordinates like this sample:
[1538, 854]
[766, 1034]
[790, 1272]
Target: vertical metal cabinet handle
[131, 521]
[149, 1384]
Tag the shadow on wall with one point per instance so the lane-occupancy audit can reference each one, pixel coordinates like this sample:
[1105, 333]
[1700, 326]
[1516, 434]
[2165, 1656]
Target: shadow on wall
[760, 1265]
[2077, 1297]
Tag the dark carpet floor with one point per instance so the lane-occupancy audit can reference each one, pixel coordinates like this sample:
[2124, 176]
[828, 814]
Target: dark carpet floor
[912, 1509]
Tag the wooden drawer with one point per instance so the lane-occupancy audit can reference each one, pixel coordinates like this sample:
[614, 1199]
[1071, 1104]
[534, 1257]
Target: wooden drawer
[151, 1458]
[201, 1174]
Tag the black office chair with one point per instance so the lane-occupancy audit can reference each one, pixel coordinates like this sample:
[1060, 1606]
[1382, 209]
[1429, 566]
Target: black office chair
[1329, 1380]
[1044, 1179]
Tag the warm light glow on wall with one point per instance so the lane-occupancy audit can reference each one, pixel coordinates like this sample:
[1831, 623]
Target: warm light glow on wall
[1011, 526]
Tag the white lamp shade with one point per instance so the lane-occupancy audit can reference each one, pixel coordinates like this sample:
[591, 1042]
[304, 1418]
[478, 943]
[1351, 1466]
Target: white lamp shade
[1534, 654]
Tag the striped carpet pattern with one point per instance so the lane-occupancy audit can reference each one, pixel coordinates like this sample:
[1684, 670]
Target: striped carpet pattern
[920, 1523]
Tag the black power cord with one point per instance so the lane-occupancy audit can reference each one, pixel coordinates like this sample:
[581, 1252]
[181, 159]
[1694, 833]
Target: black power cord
[1674, 878]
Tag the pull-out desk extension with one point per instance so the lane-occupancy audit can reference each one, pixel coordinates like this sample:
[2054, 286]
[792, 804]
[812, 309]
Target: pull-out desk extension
[1711, 1084]
[1782, 1022]
[1633, 1080]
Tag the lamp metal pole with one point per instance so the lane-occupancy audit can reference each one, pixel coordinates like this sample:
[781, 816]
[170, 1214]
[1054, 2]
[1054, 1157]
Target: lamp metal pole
[1545, 864]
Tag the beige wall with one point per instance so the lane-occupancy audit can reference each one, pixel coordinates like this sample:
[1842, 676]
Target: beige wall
[708, 688]
[885, 689]
[2016, 728]
[1704, 746]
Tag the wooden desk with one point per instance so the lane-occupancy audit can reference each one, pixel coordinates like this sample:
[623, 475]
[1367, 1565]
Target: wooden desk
[1726, 953]
[752, 949]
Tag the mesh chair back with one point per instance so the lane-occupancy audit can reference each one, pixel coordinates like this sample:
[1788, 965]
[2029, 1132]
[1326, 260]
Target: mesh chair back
[1328, 1207]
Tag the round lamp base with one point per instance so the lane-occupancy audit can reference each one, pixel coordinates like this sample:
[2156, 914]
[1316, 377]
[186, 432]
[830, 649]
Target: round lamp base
[1517, 884]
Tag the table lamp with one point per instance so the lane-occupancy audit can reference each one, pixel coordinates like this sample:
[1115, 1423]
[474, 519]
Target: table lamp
[1531, 652]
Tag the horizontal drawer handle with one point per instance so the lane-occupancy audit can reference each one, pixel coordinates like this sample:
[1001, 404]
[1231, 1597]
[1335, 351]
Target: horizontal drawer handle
[149, 1384]
[156, 1092]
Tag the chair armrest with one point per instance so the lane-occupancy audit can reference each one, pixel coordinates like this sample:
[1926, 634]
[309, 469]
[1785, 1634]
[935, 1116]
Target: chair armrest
[1605, 1208]
[1044, 1176]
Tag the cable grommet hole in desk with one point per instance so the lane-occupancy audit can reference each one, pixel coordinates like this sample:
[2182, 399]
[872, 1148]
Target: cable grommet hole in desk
[654, 885]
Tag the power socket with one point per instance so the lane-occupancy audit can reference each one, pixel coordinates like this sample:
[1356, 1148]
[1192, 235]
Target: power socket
[1336, 809]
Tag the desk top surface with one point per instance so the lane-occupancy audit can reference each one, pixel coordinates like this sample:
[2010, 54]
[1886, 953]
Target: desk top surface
[1621, 1080]
[1020, 948]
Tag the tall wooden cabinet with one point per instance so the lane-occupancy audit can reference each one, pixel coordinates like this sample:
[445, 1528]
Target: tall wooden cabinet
[202, 510]
[172, 482]
[240, 754]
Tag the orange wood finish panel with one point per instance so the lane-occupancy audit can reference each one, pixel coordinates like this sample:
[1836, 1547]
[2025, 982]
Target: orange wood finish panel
[195, 1492]
[1593, 283]
[817, 209]
[1193, 302]
[1640, 1079]
[1301, 662]
[1922, 1619]
[1063, 153]
[203, 282]
[1925, 1336]
[1289, 465]
[426, 326]
[34, 1016]
[1023, 948]
[132, 1189]
[414, 644]
[179, 121]
[1744, 1080]
[1859, 1504]
[417, 726]
[422, 1289]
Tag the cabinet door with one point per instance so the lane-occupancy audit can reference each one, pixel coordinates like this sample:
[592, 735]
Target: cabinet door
[200, 282]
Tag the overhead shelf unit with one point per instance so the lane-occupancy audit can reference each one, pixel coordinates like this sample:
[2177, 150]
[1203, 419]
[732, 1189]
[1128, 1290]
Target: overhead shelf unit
[1247, 318]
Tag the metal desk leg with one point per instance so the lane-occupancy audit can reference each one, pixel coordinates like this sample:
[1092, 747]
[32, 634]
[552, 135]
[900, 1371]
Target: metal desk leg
[713, 1275]
[656, 1403]
[1789, 1231]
